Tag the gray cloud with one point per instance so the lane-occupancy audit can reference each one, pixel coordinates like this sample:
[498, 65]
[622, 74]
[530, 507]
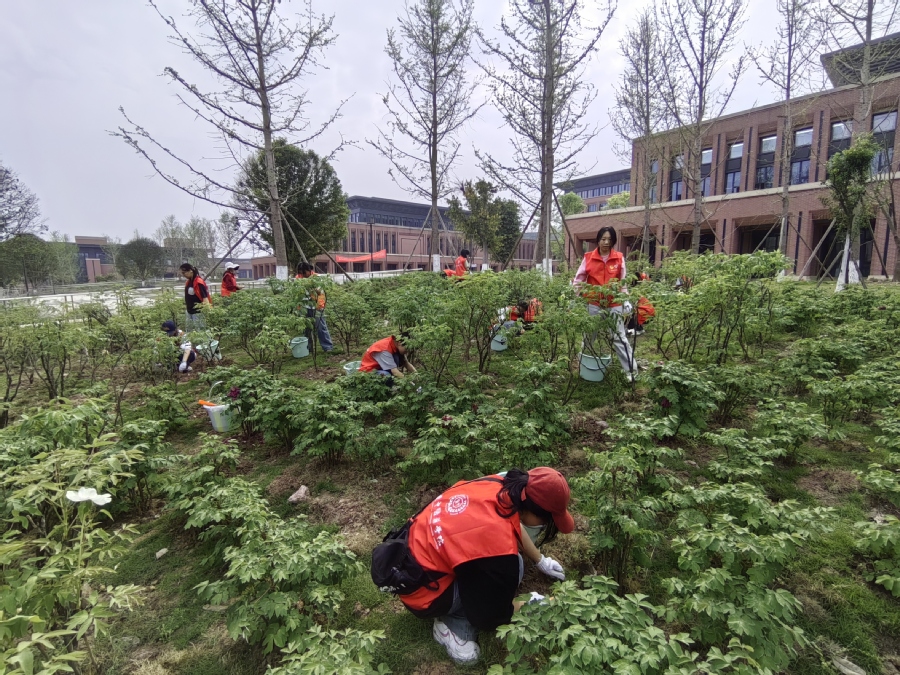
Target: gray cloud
[66, 67]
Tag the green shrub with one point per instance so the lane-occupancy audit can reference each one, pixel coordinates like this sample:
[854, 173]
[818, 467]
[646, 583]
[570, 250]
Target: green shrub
[684, 394]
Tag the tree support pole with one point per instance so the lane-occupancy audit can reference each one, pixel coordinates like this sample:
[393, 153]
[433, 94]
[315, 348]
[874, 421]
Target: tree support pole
[815, 251]
[418, 239]
[316, 242]
[236, 244]
[512, 254]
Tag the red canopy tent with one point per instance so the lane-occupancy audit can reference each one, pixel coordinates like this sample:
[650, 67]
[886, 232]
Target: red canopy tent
[379, 255]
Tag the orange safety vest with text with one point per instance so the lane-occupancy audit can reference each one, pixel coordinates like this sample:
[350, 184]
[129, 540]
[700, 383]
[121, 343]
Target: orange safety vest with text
[462, 524]
[600, 273]
[369, 364]
[462, 266]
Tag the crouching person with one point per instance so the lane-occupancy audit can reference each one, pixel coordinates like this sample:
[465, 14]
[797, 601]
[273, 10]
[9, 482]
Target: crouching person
[187, 354]
[470, 542]
[387, 357]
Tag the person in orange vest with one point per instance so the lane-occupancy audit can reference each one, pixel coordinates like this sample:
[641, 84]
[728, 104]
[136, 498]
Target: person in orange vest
[229, 283]
[196, 294]
[316, 308]
[470, 538]
[645, 310]
[462, 264]
[387, 357]
[527, 311]
[598, 268]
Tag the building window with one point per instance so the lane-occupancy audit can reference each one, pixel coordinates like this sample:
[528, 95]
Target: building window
[678, 161]
[841, 131]
[592, 207]
[653, 194]
[800, 172]
[654, 166]
[884, 122]
[704, 186]
[677, 190]
[353, 241]
[393, 243]
[803, 138]
[732, 182]
[767, 144]
[736, 151]
[764, 177]
[706, 156]
[882, 160]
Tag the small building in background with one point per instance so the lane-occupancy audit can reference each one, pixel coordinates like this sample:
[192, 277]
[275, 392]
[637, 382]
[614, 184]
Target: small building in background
[596, 190]
[94, 261]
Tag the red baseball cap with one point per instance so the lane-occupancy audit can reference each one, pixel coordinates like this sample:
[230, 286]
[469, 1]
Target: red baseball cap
[548, 489]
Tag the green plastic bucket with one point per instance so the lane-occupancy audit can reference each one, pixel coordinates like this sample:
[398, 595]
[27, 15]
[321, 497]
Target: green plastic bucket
[593, 368]
[210, 350]
[221, 418]
[299, 347]
[499, 343]
[352, 367]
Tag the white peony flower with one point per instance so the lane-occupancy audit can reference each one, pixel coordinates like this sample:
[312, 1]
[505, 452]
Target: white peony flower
[84, 494]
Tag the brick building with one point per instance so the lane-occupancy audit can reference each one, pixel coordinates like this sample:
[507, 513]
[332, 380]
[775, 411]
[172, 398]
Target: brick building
[93, 260]
[385, 234]
[742, 178]
[596, 190]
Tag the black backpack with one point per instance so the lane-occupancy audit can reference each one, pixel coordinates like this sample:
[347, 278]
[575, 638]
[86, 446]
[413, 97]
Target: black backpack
[395, 570]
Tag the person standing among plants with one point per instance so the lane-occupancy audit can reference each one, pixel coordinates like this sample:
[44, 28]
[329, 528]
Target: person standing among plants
[386, 357]
[196, 294]
[598, 268]
[472, 539]
[229, 283]
[316, 310]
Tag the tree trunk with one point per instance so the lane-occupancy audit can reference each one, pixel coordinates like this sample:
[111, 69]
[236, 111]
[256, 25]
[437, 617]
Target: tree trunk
[435, 248]
[275, 219]
[542, 249]
[696, 182]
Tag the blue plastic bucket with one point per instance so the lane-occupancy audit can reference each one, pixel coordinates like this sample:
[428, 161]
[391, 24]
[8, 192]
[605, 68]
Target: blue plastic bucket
[499, 343]
[352, 367]
[593, 368]
[299, 347]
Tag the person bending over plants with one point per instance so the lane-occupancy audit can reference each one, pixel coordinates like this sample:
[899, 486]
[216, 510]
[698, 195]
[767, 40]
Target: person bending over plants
[188, 355]
[196, 294]
[598, 268]
[387, 357]
[471, 540]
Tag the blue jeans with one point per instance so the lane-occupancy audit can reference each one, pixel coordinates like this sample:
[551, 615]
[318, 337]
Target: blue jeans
[456, 620]
[321, 329]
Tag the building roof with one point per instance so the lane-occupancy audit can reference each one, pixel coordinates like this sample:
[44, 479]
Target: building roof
[843, 66]
[608, 178]
[393, 205]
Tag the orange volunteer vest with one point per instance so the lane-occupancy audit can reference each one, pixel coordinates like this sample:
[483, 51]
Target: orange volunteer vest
[369, 363]
[600, 273]
[460, 525]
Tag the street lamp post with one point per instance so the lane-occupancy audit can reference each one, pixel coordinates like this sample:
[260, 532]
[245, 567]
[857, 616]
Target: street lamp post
[371, 248]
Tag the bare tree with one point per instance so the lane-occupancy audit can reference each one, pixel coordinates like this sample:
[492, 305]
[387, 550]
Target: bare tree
[20, 211]
[229, 236]
[259, 58]
[111, 248]
[787, 65]
[429, 102]
[193, 242]
[641, 111]
[538, 85]
[854, 28]
[701, 34]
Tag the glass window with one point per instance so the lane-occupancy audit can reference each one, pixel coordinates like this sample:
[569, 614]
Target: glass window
[802, 138]
[767, 144]
[800, 172]
[764, 177]
[732, 182]
[706, 156]
[882, 160]
[393, 243]
[883, 122]
[678, 161]
[353, 240]
[677, 190]
[653, 195]
[704, 187]
[841, 130]
[736, 151]
[592, 207]
[654, 167]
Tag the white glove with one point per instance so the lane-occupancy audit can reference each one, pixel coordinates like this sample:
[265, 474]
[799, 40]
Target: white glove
[538, 598]
[628, 307]
[551, 568]
[182, 366]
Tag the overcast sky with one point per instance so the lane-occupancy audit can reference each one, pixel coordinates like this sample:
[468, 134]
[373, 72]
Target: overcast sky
[66, 67]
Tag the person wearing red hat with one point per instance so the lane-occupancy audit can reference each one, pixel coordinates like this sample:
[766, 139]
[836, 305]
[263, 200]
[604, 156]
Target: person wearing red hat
[470, 538]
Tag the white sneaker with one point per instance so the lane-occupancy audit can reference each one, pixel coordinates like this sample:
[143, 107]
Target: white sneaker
[463, 652]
